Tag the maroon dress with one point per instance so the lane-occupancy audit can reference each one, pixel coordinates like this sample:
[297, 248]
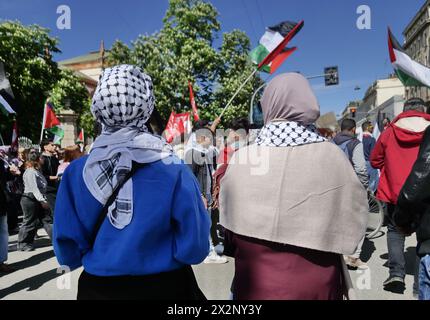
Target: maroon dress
[271, 271]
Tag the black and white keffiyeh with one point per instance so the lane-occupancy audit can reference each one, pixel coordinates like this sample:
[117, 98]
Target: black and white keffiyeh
[123, 103]
[288, 134]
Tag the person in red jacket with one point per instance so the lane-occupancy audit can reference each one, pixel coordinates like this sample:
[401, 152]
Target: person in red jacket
[395, 154]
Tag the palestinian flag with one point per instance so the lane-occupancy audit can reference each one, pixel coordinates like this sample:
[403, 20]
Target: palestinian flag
[7, 104]
[410, 72]
[51, 122]
[81, 136]
[5, 108]
[271, 52]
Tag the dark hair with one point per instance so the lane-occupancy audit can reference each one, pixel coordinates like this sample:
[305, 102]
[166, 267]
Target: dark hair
[240, 123]
[365, 126]
[201, 128]
[348, 124]
[72, 153]
[415, 104]
[32, 160]
[201, 124]
[44, 143]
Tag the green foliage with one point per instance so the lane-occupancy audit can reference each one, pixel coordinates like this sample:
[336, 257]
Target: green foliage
[34, 76]
[183, 50]
[70, 93]
[26, 54]
[119, 52]
[86, 120]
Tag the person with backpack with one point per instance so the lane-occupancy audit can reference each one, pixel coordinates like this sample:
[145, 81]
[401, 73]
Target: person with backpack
[130, 212]
[394, 154]
[368, 145]
[412, 213]
[354, 150]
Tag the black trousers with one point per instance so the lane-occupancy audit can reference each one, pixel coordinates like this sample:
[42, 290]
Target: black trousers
[217, 231]
[33, 214]
[13, 210]
[179, 284]
[51, 196]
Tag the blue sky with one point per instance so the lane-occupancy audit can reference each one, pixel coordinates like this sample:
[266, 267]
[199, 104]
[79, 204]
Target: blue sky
[330, 36]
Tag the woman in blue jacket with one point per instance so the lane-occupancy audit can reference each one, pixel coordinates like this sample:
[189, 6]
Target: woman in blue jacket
[156, 226]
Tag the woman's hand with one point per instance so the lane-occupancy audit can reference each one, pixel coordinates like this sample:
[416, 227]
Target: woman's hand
[205, 202]
[45, 205]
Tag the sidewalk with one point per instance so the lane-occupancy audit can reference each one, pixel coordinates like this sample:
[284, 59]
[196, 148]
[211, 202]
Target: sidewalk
[375, 253]
[37, 276]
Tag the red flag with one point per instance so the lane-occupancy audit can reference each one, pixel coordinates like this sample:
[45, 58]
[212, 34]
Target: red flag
[51, 119]
[278, 50]
[81, 136]
[193, 103]
[178, 123]
[14, 144]
[277, 62]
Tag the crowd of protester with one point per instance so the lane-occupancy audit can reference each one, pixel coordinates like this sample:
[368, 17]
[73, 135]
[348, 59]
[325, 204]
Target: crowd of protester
[137, 212]
[29, 182]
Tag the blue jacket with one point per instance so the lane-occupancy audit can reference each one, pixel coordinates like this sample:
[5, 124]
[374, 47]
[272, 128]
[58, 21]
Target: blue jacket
[170, 226]
[369, 143]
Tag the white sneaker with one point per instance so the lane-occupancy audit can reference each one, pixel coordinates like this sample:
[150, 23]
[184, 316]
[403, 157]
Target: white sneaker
[214, 258]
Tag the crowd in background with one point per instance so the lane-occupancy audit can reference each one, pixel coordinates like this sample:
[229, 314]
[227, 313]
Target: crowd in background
[29, 183]
[289, 229]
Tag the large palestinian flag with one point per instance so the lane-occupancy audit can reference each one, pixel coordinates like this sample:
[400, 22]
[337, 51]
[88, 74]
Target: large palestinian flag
[271, 51]
[410, 72]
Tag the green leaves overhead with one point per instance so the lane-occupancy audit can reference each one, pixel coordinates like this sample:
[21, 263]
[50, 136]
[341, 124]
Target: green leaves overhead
[183, 50]
[26, 52]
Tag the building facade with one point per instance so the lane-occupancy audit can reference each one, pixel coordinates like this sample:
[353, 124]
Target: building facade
[377, 94]
[87, 68]
[417, 46]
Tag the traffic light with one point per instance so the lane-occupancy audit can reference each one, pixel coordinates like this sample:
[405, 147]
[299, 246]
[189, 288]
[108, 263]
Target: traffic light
[353, 112]
[331, 76]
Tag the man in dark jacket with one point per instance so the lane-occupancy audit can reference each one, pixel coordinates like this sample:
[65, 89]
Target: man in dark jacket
[201, 155]
[368, 146]
[395, 154]
[4, 236]
[49, 169]
[412, 213]
[353, 149]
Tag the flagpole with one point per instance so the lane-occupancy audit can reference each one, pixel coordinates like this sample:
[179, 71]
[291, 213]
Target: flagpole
[237, 92]
[43, 121]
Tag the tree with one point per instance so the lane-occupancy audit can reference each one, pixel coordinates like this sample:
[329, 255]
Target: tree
[26, 54]
[183, 50]
[235, 66]
[70, 93]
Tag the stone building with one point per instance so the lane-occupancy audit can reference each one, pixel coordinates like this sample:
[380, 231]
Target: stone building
[417, 46]
[377, 94]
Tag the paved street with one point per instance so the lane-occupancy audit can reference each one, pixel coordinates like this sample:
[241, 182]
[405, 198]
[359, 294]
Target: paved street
[37, 276]
[375, 254]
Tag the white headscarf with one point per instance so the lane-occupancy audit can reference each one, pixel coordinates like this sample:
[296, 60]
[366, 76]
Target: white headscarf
[123, 103]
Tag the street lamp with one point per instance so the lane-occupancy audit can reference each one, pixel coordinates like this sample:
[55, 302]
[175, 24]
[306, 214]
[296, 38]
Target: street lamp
[331, 75]
[251, 121]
